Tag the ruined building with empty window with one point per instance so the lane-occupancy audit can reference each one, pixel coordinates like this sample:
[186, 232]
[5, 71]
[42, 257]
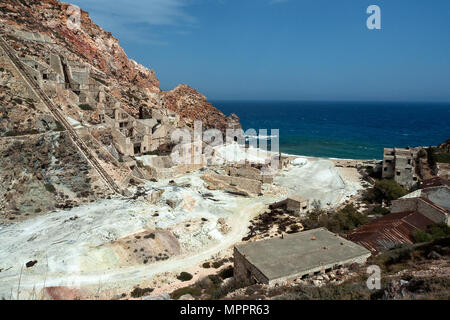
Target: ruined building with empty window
[399, 164]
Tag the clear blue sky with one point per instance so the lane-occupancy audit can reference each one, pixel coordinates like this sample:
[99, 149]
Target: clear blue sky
[287, 49]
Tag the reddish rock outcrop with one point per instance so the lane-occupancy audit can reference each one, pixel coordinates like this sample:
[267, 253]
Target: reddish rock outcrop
[131, 83]
[192, 105]
[91, 42]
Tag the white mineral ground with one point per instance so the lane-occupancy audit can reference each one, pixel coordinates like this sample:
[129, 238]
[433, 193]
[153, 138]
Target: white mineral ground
[78, 247]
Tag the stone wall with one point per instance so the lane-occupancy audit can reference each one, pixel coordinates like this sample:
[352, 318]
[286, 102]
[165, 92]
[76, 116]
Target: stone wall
[234, 184]
[292, 205]
[430, 211]
[399, 164]
[249, 173]
[245, 272]
[123, 143]
[444, 170]
[404, 205]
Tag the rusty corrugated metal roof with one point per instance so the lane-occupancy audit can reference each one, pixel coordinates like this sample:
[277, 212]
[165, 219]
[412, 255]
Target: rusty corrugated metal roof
[390, 230]
[435, 182]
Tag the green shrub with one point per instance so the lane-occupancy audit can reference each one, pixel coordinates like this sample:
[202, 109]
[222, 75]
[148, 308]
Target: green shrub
[440, 230]
[420, 236]
[218, 264]
[344, 220]
[422, 153]
[433, 232]
[13, 133]
[216, 280]
[59, 126]
[223, 290]
[431, 157]
[227, 273]
[395, 255]
[185, 276]
[384, 190]
[294, 228]
[379, 210]
[139, 292]
[85, 107]
[443, 157]
[50, 188]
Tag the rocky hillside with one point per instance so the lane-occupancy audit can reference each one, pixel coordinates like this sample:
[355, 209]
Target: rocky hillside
[91, 42]
[44, 172]
[192, 105]
[135, 85]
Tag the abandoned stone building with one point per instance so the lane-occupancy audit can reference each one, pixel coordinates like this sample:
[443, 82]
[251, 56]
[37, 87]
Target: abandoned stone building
[415, 211]
[33, 36]
[432, 202]
[294, 204]
[238, 185]
[443, 170]
[138, 136]
[283, 161]
[280, 260]
[249, 171]
[399, 164]
[131, 136]
[164, 167]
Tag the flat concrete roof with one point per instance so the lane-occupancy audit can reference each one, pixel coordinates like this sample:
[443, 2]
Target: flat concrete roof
[297, 198]
[298, 253]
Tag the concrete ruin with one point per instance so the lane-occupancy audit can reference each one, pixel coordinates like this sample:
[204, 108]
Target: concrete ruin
[294, 204]
[433, 203]
[239, 185]
[140, 136]
[277, 261]
[131, 136]
[163, 167]
[399, 164]
[443, 170]
[283, 161]
[33, 36]
[248, 171]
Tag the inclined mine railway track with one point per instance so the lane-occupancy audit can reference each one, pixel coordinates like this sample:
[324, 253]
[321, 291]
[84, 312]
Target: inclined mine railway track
[59, 117]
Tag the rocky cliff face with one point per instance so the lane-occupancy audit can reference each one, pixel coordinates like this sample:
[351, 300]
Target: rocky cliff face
[40, 168]
[192, 105]
[98, 48]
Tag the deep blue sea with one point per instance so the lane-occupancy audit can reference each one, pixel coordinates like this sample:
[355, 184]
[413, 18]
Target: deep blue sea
[347, 130]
